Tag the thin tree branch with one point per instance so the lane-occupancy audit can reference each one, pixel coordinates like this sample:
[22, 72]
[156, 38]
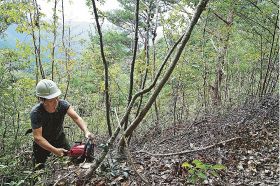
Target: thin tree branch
[225, 21]
[274, 3]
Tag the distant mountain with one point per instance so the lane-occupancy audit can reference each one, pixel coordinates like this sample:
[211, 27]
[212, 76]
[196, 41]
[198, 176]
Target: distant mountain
[78, 31]
[9, 41]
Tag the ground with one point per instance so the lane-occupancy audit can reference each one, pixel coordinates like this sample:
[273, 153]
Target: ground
[244, 139]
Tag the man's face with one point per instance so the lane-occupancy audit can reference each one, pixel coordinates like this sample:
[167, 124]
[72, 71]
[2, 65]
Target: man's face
[51, 104]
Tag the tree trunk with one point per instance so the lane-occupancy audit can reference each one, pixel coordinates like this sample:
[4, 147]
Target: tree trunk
[54, 37]
[147, 52]
[270, 59]
[36, 45]
[67, 60]
[131, 80]
[106, 74]
[259, 89]
[175, 98]
[205, 73]
[222, 52]
[154, 32]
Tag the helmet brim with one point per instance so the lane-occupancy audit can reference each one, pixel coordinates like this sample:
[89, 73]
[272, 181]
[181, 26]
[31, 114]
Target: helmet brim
[52, 95]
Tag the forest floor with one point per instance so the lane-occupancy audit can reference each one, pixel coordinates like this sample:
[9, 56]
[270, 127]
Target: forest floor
[245, 140]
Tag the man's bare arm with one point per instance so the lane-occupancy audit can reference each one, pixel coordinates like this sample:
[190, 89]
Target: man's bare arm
[40, 140]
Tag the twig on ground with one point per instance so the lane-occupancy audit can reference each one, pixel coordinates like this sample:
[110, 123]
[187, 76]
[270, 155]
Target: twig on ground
[189, 151]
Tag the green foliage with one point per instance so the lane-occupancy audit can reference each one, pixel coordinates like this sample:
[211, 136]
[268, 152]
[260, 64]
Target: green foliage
[16, 100]
[123, 18]
[17, 166]
[199, 171]
[11, 12]
[116, 45]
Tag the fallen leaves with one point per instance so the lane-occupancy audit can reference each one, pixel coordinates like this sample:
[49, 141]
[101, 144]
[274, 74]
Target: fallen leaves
[252, 160]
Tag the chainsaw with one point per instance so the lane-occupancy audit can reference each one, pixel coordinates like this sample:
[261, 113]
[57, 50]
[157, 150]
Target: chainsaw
[81, 152]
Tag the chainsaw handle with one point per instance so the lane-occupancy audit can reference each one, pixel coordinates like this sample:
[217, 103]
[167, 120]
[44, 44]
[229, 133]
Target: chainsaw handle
[89, 143]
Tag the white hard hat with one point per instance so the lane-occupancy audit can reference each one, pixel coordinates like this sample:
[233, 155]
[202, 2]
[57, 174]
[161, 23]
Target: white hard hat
[47, 89]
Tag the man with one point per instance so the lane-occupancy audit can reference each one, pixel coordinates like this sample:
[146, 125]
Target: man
[47, 119]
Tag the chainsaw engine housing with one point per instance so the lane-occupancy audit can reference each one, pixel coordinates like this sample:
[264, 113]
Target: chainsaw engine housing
[80, 152]
[76, 150]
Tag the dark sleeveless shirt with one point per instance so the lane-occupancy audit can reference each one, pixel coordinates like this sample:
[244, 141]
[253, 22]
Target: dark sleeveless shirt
[51, 123]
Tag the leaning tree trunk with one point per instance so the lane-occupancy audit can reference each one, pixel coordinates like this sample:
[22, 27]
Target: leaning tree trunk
[201, 6]
[166, 76]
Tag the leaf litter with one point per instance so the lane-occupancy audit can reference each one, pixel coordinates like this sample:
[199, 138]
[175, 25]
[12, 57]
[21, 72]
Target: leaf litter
[249, 160]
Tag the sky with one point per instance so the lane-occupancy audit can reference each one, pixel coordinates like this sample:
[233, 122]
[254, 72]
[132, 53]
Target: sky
[76, 11]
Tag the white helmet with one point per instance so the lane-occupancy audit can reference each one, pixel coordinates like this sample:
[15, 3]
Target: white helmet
[47, 89]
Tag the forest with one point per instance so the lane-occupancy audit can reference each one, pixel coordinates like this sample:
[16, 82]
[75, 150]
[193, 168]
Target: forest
[175, 92]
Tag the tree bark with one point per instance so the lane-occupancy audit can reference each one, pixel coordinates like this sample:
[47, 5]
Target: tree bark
[175, 98]
[66, 53]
